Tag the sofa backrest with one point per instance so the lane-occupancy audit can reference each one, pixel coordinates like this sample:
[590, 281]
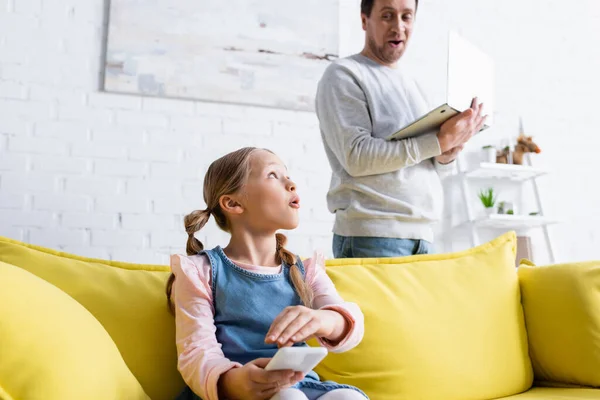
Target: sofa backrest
[445, 326]
[442, 326]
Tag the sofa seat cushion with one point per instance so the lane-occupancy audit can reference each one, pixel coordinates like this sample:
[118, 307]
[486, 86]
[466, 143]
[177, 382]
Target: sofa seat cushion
[442, 326]
[557, 394]
[127, 299]
[52, 348]
[562, 313]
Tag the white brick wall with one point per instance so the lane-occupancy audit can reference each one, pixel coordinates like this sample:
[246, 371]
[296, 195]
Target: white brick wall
[61, 203]
[86, 220]
[110, 176]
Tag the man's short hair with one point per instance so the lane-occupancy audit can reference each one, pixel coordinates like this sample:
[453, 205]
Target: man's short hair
[366, 6]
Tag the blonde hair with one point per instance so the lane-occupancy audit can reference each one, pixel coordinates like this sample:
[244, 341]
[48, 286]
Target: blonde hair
[227, 175]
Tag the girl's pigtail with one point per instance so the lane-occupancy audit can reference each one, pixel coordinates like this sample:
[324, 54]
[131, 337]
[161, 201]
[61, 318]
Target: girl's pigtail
[302, 288]
[193, 223]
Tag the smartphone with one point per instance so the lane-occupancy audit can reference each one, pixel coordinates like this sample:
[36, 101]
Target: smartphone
[299, 359]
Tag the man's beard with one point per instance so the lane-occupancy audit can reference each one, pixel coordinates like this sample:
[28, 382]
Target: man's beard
[389, 57]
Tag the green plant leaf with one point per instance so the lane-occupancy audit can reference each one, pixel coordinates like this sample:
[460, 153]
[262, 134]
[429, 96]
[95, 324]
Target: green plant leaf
[487, 197]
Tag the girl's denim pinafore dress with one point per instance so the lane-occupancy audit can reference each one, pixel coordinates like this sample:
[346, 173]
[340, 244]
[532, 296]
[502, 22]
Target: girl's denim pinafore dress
[246, 303]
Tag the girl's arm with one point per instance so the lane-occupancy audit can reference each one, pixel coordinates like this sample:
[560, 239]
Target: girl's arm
[337, 325]
[200, 359]
[349, 327]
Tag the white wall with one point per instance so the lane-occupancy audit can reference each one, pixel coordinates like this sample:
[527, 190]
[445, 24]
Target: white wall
[111, 176]
[547, 62]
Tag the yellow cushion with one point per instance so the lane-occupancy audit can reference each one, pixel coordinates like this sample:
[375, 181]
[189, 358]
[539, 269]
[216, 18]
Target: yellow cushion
[52, 348]
[562, 313]
[127, 299]
[557, 394]
[444, 326]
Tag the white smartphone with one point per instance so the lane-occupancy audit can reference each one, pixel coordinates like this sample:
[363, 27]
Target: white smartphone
[300, 359]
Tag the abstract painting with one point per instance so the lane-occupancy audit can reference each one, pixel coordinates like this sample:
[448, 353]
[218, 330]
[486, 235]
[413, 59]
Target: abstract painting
[259, 52]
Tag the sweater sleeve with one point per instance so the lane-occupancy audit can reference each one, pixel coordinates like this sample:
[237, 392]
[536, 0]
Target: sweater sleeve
[200, 359]
[444, 170]
[327, 298]
[346, 126]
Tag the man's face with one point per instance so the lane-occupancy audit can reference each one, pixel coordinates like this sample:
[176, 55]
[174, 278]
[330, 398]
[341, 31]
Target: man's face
[388, 29]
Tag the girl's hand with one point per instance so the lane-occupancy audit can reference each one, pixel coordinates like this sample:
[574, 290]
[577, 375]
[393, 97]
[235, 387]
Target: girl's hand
[298, 323]
[252, 382]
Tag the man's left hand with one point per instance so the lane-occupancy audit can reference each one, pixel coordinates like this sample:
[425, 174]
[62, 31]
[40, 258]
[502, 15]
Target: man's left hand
[450, 155]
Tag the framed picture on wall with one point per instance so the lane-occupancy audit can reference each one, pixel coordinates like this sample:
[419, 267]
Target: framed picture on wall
[258, 52]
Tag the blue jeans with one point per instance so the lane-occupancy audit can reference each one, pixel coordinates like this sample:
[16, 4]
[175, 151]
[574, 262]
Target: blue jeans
[367, 247]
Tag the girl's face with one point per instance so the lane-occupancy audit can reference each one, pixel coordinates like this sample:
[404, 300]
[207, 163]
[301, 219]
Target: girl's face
[269, 199]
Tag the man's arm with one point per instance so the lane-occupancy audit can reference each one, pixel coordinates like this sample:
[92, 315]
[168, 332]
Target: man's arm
[444, 170]
[445, 163]
[346, 125]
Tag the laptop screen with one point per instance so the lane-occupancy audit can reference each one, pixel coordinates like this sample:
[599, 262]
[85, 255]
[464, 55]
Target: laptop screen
[470, 74]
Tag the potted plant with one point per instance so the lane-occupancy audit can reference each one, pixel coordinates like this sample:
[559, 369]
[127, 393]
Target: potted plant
[506, 207]
[489, 154]
[488, 199]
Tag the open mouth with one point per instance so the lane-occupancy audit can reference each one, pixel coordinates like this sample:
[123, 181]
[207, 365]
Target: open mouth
[295, 203]
[395, 43]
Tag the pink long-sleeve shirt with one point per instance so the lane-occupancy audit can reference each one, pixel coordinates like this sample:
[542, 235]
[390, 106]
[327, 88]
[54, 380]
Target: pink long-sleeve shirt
[201, 360]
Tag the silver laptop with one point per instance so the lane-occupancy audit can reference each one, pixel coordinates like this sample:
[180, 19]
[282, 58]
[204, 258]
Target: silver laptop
[470, 74]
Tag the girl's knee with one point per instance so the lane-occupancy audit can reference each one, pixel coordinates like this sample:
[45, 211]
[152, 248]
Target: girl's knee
[290, 394]
[343, 394]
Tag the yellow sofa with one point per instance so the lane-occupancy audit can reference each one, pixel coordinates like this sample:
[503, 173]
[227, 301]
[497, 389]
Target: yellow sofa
[455, 326]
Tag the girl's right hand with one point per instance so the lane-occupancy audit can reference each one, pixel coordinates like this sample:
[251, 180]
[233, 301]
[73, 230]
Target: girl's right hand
[252, 382]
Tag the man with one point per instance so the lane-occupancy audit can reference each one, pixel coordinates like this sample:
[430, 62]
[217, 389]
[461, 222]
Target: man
[386, 195]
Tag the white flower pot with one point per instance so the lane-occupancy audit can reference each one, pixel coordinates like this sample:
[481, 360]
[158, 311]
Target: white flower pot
[488, 155]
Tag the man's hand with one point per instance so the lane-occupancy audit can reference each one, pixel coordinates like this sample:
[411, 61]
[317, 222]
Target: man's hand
[252, 382]
[459, 129]
[450, 155]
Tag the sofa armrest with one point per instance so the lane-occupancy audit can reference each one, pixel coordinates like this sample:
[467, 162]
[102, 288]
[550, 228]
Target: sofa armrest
[562, 316]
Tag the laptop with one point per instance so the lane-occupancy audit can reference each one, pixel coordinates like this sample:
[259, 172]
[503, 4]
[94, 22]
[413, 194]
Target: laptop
[470, 74]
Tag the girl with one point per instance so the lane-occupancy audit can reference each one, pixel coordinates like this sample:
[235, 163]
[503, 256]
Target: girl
[235, 306]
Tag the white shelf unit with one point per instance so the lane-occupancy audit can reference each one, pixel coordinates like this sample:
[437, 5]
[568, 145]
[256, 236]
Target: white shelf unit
[517, 174]
[504, 221]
